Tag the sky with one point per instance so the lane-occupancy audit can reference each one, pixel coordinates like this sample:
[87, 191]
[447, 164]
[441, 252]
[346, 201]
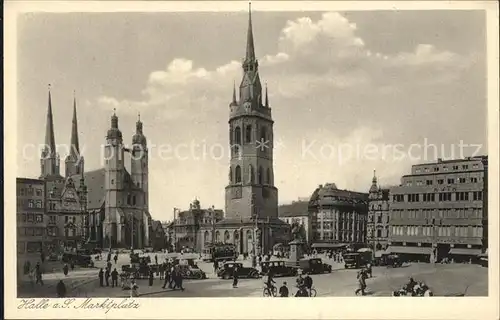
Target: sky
[350, 92]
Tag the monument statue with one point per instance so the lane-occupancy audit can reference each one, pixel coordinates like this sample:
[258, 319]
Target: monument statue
[298, 232]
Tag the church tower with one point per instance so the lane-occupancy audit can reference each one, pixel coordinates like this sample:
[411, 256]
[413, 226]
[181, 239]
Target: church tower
[139, 162]
[50, 161]
[373, 193]
[114, 169]
[251, 192]
[74, 161]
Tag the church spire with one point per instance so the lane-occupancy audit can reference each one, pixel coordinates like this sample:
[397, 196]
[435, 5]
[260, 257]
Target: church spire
[374, 187]
[75, 146]
[267, 99]
[50, 144]
[234, 92]
[250, 54]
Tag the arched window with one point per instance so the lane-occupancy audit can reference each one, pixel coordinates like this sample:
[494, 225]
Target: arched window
[206, 237]
[268, 176]
[237, 135]
[236, 236]
[231, 136]
[263, 134]
[248, 134]
[261, 173]
[217, 236]
[227, 237]
[230, 175]
[249, 234]
[251, 174]
[237, 174]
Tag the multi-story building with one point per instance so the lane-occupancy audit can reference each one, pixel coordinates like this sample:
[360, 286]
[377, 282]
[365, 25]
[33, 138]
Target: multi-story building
[108, 206]
[31, 220]
[297, 211]
[157, 236]
[439, 210]
[194, 228]
[251, 211]
[378, 216]
[338, 216]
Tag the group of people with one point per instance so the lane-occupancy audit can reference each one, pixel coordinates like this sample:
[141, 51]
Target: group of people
[414, 289]
[304, 285]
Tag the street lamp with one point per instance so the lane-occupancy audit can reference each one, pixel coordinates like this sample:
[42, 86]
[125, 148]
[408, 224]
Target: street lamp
[175, 232]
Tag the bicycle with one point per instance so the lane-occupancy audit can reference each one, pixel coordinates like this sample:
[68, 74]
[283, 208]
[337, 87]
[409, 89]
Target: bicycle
[269, 292]
[312, 292]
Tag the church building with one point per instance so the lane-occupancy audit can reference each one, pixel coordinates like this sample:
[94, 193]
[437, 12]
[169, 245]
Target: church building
[251, 212]
[107, 206]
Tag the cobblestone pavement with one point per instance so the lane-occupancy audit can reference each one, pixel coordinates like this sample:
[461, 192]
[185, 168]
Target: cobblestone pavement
[444, 280]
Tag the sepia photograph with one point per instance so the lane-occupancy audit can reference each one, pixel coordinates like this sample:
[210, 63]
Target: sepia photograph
[254, 153]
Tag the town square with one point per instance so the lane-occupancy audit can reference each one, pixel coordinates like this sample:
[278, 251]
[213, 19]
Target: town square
[288, 174]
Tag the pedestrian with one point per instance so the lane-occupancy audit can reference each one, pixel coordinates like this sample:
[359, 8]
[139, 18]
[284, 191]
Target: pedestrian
[167, 276]
[361, 283]
[161, 270]
[151, 277]
[65, 269]
[216, 266]
[134, 289]
[109, 264]
[106, 275]
[72, 265]
[116, 257]
[254, 261]
[38, 274]
[101, 278]
[114, 278]
[235, 277]
[61, 289]
[156, 259]
[109, 257]
[284, 290]
[42, 256]
[172, 277]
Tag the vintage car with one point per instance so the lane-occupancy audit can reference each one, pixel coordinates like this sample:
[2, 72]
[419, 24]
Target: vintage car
[226, 272]
[78, 259]
[356, 259]
[192, 272]
[393, 260]
[53, 257]
[314, 266]
[278, 269]
[135, 258]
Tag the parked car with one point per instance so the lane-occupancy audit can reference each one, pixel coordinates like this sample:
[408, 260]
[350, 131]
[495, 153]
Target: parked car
[192, 272]
[278, 268]
[226, 272]
[393, 260]
[314, 266]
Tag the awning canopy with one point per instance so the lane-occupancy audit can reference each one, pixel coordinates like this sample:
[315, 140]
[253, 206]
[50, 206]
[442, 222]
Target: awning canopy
[380, 253]
[465, 251]
[328, 245]
[409, 250]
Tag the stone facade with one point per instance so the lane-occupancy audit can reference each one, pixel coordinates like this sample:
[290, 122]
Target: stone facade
[251, 212]
[108, 206]
[439, 210]
[378, 217]
[338, 216]
[297, 211]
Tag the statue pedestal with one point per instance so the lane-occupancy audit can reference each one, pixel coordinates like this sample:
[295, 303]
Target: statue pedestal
[296, 252]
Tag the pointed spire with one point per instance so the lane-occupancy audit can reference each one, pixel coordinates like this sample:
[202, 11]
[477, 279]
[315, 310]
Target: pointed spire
[374, 180]
[138, 125]
[374, 187]
[75, 146]
[250, 54]
[234, 91]
[267, 98]
[50, 143]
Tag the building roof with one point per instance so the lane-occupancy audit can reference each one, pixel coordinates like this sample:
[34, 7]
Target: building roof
[330, 195]
[156, 224]
[294, 209]
[95, 182]
[30, 180]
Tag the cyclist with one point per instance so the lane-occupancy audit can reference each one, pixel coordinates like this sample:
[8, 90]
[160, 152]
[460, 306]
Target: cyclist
[300, 280]
[308, 282]
[269, 282]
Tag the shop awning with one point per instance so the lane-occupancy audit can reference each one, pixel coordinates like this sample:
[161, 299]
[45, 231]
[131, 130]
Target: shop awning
[380, 253]
[465, 251]
[328, 245]
[409, 250]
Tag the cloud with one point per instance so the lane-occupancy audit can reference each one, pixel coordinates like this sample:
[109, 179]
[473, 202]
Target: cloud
[314, 56]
